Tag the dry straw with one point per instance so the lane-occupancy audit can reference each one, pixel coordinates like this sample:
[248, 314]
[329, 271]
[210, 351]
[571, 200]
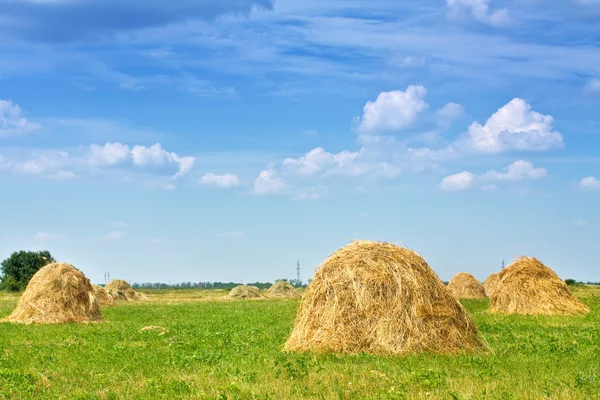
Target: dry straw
[283, 290]
[380, 298]
[491, 283]
[121, 290]
[103, 297]
[529, 287]
[466, 286]
[56, 294]
[244, 292]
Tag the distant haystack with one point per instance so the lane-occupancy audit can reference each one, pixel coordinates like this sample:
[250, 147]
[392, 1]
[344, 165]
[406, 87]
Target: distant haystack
[103, 297]
[380, 298]
[491, 283]
[283, 290]
[255, 287]
[244, 292]
[121, 290]
[529, 287]
[466, 286]
[56, 294]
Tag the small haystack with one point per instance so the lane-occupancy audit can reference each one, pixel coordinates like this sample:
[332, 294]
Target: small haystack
[103, 297]
[56, 294]
[121, 290]
[491, 283]
[529, 287]
[244, 292]
[255, 287]
[380, 298]
[466, 286]
[283, 290]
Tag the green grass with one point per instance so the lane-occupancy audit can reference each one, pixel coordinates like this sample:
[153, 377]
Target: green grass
[232, 350]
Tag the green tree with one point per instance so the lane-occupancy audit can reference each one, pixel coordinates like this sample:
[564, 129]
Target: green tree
[18, 269]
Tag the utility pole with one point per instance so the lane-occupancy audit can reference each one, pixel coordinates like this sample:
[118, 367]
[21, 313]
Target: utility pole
[298, 272]
[503, 263]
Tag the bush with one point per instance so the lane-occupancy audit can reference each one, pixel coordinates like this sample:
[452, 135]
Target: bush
[19, 268]
[570, 282]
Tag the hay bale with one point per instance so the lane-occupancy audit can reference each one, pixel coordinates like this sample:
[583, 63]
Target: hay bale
[121, 290]
[380, 298]
[283, 290]
[56, 294]
[255, 287]
[104, 298]
[529, 287]
[466, 286]
[491, 283]
[244, 292]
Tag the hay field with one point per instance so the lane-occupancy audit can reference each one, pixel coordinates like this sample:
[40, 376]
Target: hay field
[215, 349]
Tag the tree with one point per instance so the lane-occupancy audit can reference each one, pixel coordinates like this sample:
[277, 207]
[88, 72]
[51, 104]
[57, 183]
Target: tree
[19, 268]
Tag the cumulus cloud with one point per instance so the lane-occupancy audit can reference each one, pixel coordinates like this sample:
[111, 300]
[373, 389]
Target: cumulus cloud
[517, 171]
[461, 181]
[268, 183]
[590, 183]
[449, 113]
[392, 111]
[109, 154]
[311, 193]
[13, 121]
[318, 160]
[478, 10]
[224, 181]
[514, 126]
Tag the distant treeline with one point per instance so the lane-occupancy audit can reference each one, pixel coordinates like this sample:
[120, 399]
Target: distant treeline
[209, 285]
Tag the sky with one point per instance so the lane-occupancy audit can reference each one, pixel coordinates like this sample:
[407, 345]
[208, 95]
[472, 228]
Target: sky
[224, 140]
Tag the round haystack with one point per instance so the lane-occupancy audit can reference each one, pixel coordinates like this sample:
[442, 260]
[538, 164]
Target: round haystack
[466, 286]
[529, 287]
[103, 297]
[121, 290]
[283, 290]
[380, 298]
[56, 294]
[255, 287]
[491, 283]
[244, 292]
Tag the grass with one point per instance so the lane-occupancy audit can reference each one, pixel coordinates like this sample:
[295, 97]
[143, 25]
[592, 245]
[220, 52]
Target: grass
[231, 350]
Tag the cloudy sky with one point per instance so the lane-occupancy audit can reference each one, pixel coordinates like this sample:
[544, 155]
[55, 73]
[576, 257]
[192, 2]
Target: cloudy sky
[225, 139]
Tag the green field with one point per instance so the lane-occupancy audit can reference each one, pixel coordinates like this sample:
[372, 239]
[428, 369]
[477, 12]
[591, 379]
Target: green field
[232, 350]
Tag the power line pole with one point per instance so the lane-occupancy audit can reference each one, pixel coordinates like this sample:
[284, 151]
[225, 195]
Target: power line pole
[298, 272]
[503, 263]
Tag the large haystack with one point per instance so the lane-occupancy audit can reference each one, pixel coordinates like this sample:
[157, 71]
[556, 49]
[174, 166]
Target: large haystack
[283, 290]
[104, 298]
[56, 294]
[529, 287]
[466, 286]
[491, 283]
[244, 292]
[380, 298]
[121, 290]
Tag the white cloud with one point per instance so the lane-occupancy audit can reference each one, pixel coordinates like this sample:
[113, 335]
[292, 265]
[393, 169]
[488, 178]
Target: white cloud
[392, 111]
[517, 171]
[515, 126]
[224, 181]
[42, 236]
[590, 183]
[155, 155]
[12, 121]
[318, 160]
[311, 193]
[114, 236]
[478, 10]
[593, 86]
[109, 154]
[268, 183]
[457, 182]
[449, 113]
[46, 162]
[230, 235]
[185, 165]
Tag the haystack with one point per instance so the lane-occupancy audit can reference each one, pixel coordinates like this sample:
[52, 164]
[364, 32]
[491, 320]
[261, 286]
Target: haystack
[121, 290]
[103, 297]
[56, 294]
[283, 290]
[380, 298]
[244, 292]
[491, 283]
[529, 287]
[466, 286]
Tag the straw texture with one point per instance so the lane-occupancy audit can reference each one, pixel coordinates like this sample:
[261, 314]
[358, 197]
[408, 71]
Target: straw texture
[491, 283]
[122, 291]
[283, 290]
[466, 286]
[103, 297]
[244, 292]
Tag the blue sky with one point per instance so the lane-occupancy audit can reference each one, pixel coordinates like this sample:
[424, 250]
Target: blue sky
[224, 140]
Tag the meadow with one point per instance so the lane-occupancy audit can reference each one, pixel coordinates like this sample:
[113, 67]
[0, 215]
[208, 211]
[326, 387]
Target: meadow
[207, 348]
